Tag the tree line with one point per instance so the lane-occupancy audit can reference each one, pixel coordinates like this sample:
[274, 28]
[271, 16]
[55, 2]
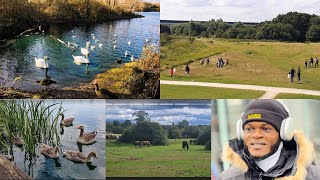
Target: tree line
[158, 134]
[293, 26]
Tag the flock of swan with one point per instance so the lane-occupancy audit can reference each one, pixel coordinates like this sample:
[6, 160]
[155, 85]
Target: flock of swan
[43, 62]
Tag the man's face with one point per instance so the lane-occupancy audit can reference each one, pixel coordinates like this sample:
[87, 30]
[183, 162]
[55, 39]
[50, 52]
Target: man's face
[259, 137]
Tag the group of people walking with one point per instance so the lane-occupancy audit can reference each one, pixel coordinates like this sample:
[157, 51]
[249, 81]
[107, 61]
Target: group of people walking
[292, 74]
[311, 61]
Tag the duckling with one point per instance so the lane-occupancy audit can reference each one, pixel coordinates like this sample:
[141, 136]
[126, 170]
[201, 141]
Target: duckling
[104, 93]
[88, 138]
[50, 152]
[79, 157]
[66, 122]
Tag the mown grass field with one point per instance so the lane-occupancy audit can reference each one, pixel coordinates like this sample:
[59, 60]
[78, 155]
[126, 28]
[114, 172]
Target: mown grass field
[198, 92]
[251, 62]
[295, 96]
[124, 160]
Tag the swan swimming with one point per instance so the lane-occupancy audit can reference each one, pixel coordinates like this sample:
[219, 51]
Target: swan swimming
[42, 63]
[84, 51]
[80, 60]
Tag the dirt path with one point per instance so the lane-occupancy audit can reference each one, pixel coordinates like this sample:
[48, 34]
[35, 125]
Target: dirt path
[271, 92]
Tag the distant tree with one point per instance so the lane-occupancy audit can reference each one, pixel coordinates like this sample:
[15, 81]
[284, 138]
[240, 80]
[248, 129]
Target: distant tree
[204, 137]
[313, 34]
[116, 123]
[141, 116]
[126, 123]
[117, 130]
[109, 127]
[174, 133]
[190, 132]
[183, 124]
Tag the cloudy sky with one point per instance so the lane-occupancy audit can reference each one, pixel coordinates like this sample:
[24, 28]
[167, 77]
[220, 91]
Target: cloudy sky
[168, 112]
[234, 10]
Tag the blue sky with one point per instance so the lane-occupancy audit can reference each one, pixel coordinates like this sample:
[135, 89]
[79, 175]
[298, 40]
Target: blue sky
[196, 112]
[234, 10]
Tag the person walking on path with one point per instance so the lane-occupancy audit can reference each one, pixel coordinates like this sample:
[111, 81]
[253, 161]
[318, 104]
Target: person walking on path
[292, 74]
[299, 73]
[171, 72]
[187, 69]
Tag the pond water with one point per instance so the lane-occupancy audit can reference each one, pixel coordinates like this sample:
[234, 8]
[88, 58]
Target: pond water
[18, 60]
[91, 114]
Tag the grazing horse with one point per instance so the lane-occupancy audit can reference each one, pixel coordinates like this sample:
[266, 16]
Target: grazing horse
[145, 143]
[193, 141]
[185, 145]
[137, 143]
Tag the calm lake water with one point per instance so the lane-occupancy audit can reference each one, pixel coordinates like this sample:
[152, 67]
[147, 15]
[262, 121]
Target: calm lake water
[19, 59]
[91, 114]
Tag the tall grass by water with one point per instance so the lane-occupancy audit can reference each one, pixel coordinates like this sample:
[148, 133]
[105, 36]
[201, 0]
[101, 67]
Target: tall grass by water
[33, 121]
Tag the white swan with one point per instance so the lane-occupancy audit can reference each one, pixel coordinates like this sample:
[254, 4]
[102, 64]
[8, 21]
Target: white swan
[80, 60]
[42, 63]
[129, 43]
[84, 51]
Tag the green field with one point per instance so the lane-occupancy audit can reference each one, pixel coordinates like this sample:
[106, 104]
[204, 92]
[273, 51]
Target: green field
[295, 96]
[124, 160]
[251, 62]
[199, 92]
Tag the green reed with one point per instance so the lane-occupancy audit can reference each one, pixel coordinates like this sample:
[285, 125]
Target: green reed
[32, 120]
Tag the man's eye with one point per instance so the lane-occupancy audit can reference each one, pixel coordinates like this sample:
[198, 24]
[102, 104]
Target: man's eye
[267, 129]
[248, 129]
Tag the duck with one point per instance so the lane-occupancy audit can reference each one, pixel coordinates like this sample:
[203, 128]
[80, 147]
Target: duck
[103, 93]
[87, 138]
[80, 60]
[79, 157]
[42, 63]
[66, 122]
[50, 152]
[129, 43]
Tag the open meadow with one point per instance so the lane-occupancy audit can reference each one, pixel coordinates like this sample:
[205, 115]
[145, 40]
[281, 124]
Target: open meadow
[126, 160]
[250, 62]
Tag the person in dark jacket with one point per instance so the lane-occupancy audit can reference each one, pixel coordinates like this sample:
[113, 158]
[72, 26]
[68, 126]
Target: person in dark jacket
[292, 71]
[299, 73]
[267, 147]
[187, 69]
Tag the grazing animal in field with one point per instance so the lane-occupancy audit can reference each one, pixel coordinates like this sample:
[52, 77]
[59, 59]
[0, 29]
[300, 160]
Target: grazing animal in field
[193, 141]
[137, 143]
[185, 145]
[145, 143]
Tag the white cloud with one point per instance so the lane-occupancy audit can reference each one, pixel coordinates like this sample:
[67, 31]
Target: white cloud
[234, 10]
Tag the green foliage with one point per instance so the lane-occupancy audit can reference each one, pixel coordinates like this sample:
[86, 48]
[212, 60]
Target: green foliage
[190, 132]
[145, 131]
[204, 137]
[126, 123]
[118, 130]
[174, 133]
[116, 123]
[183, 124]
[313, 33]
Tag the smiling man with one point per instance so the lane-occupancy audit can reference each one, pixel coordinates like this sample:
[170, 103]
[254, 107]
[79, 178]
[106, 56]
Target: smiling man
[267, 147]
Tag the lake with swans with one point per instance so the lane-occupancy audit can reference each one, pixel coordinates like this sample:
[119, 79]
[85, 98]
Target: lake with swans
[106, 43]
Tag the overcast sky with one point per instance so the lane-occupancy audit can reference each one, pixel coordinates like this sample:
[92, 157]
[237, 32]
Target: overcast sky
[164, 114]
[234, 10]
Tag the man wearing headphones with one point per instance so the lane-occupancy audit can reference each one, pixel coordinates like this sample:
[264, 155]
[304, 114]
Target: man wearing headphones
[267, 147]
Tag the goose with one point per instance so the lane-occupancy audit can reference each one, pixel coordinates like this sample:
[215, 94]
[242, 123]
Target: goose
[125, 53]
[66, 122]
[129, 43]
[87, 138]
[42, 63]
[79, 157]
[50, 152]
[100, 45]
[80, 60]
[84, 51]
[103, 93]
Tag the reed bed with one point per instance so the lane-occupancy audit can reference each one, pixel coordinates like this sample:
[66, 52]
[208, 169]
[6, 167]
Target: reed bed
[33, 121]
